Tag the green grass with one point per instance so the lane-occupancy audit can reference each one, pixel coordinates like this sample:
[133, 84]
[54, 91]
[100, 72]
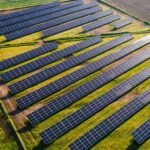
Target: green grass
[6, 143]
[11, 4]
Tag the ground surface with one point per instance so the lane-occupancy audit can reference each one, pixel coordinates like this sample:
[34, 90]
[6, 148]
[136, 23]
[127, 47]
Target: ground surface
[119, 139]
[139, 8]
[11, 4]
[7, 141]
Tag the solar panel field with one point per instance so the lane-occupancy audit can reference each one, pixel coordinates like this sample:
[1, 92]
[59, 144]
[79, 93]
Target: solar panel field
[74, 75]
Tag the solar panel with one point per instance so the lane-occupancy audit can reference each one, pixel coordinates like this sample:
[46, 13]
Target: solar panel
[76, 23]
[34, 21]
[51, 58]
[100, 23]
[85, 89]
[30, 81]
[123, 23]
[51, 23]
[27, 56]
[38, 13]
[142, 133]
[101, 130]
[25, 101]
[27, 11]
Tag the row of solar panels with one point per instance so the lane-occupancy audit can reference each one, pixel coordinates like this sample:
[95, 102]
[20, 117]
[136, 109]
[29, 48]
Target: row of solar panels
[142, 133]
[71, 97]
[37, 78]
[55, 23]
[97, 133]
[5, 64]
[96, 105]
[123, 23]
[88, 110]
[46, 17]
[73, 77]
[76, 23]
[33, 22]
[51, 134]
[12, 74]
[28, 11]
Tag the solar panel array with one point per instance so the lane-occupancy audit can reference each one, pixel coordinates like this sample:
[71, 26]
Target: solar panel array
[100, 23]
[83, 90]
[27, 11]
[34, 21]
[38, 14]
[51, 58]
[123, 23]
[75, 23]
[142, 133]
[37, 78]
[101, 130]
[51, 23]
[56, 18]
[26, 101]
[27, 56]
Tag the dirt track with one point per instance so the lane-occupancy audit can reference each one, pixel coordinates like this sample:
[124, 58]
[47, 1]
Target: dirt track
[139, 8]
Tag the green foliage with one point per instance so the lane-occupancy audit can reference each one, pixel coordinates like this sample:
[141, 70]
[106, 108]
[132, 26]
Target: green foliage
[7, 144]
[2, 135]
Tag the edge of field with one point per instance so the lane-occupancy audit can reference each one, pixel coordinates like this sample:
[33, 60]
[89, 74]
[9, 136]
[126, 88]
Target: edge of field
[19, 139]
[124, 11]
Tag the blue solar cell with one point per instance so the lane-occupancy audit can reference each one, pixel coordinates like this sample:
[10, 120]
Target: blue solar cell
[51, 23]
[81, 91]
[142, 133]
[105, 127]
[27, 56]
[30, 10]
[67, 65]
[47, 17]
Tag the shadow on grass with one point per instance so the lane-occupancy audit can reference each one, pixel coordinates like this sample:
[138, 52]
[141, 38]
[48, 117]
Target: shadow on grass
[133, 146]
[17, 45]
[28, 127]
[6, 97]
[15, 112]
[41, 146]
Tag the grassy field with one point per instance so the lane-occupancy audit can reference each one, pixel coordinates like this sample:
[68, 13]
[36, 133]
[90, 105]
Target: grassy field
[119, 139]
[11, 4]
[7, 141]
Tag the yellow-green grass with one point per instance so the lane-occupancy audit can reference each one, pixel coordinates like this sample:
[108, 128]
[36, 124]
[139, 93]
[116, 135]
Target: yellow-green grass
[12, 4]
[120, 139]
[6, 143]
